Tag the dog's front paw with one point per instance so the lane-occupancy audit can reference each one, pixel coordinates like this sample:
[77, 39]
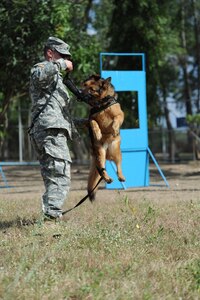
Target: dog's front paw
[115, 133]
[98, 135]
[115, 128]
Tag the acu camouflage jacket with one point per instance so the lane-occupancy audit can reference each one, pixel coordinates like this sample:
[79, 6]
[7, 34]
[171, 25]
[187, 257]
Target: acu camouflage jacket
[46, 85]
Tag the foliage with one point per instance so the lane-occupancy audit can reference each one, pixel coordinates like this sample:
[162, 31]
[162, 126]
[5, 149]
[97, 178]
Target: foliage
[194, 124]
[21, 39]
[26, 25]
[146, 31]
[194, 120]
[165, 32]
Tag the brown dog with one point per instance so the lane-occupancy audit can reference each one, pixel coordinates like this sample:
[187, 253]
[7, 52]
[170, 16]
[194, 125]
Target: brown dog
[106, 118]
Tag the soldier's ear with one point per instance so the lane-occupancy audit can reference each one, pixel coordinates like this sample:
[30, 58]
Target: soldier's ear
[49, 53]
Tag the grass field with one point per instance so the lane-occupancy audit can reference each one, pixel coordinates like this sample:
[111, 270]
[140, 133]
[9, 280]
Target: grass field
[142, 243]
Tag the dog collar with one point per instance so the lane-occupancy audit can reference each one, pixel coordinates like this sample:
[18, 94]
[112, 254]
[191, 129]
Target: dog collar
[107, 101]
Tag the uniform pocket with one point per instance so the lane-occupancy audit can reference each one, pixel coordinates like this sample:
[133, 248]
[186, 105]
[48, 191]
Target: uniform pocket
[59, 167]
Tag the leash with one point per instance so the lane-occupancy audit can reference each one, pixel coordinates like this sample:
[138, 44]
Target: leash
[83, 199]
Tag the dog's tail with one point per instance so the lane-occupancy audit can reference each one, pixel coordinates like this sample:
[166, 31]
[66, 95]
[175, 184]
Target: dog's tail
[93, 180]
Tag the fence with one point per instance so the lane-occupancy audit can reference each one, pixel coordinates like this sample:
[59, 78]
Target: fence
[182, 144]
[175, 145]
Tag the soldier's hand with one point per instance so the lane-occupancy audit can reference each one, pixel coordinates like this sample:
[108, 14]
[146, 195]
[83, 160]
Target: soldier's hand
[84, 97]
[69, 65]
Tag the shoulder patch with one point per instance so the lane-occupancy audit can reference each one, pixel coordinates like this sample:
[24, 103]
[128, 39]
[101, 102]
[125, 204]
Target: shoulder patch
[40, 65]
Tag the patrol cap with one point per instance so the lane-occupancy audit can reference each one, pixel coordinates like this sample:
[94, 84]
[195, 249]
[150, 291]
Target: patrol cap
[58, 45]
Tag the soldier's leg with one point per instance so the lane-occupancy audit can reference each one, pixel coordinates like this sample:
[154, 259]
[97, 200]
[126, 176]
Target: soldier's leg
[57, 179]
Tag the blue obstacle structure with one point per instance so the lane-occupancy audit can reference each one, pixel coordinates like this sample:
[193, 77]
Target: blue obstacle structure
[3, 176]
[134, 141]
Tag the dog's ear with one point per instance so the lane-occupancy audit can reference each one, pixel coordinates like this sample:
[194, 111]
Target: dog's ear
[108, 79]
[96, 77]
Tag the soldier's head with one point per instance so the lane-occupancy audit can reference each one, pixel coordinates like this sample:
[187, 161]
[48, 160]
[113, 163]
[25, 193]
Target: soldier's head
[55, 48]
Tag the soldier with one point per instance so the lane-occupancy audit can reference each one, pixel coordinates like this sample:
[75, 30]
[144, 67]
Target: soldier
[51, 124]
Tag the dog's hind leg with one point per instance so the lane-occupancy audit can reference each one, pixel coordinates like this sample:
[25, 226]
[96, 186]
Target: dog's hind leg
[92, 180]
[114, 154]
[119, 170]
[100, 153]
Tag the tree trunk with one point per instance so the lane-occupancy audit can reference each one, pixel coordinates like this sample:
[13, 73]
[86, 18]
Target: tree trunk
[171, 135]
[87, 13]
[5, 105]
[4, 140]
[197, 50]
[183, 62]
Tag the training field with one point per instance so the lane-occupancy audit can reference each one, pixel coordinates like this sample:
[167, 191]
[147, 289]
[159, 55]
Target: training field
[141, 243]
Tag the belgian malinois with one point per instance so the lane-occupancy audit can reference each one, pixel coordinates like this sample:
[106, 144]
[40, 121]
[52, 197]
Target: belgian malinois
[105, 120]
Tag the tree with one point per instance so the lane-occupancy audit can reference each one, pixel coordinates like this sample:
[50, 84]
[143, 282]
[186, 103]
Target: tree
[162, 30]
[194, 125]
[196, 16]
[144, 31]
[25, 26]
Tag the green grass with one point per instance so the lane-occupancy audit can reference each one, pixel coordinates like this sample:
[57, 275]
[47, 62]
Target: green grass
[122, 249]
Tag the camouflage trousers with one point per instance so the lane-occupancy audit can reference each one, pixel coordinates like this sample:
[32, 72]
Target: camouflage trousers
[55, 162]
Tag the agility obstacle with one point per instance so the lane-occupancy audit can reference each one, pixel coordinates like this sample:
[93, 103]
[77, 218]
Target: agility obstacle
[127, 71]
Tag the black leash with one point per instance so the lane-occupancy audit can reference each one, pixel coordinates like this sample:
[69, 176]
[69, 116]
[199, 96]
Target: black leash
[83, 199]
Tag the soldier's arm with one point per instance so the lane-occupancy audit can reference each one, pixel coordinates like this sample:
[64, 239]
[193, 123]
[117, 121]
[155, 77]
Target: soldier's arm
[43, 74]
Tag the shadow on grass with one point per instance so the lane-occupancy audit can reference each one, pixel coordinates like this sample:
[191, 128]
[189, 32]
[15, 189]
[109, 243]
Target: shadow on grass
[18, 222]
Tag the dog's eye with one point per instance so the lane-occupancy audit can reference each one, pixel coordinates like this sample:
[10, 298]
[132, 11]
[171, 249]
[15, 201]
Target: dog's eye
[93, 90]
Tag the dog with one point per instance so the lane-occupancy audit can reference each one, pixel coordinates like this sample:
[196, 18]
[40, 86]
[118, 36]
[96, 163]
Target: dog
[105, 120]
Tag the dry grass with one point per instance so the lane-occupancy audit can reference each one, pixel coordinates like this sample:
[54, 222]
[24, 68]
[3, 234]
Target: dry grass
[134, 244]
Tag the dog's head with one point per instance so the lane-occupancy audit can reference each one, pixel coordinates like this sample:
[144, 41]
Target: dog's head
[91, 80]
[99, 88]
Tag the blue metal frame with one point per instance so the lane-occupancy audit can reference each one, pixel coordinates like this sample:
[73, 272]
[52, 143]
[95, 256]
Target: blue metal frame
[4, 178]
[134, 144]
[13, 163]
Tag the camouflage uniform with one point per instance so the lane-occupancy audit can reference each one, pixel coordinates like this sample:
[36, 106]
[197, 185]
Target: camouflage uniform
[51, 129]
